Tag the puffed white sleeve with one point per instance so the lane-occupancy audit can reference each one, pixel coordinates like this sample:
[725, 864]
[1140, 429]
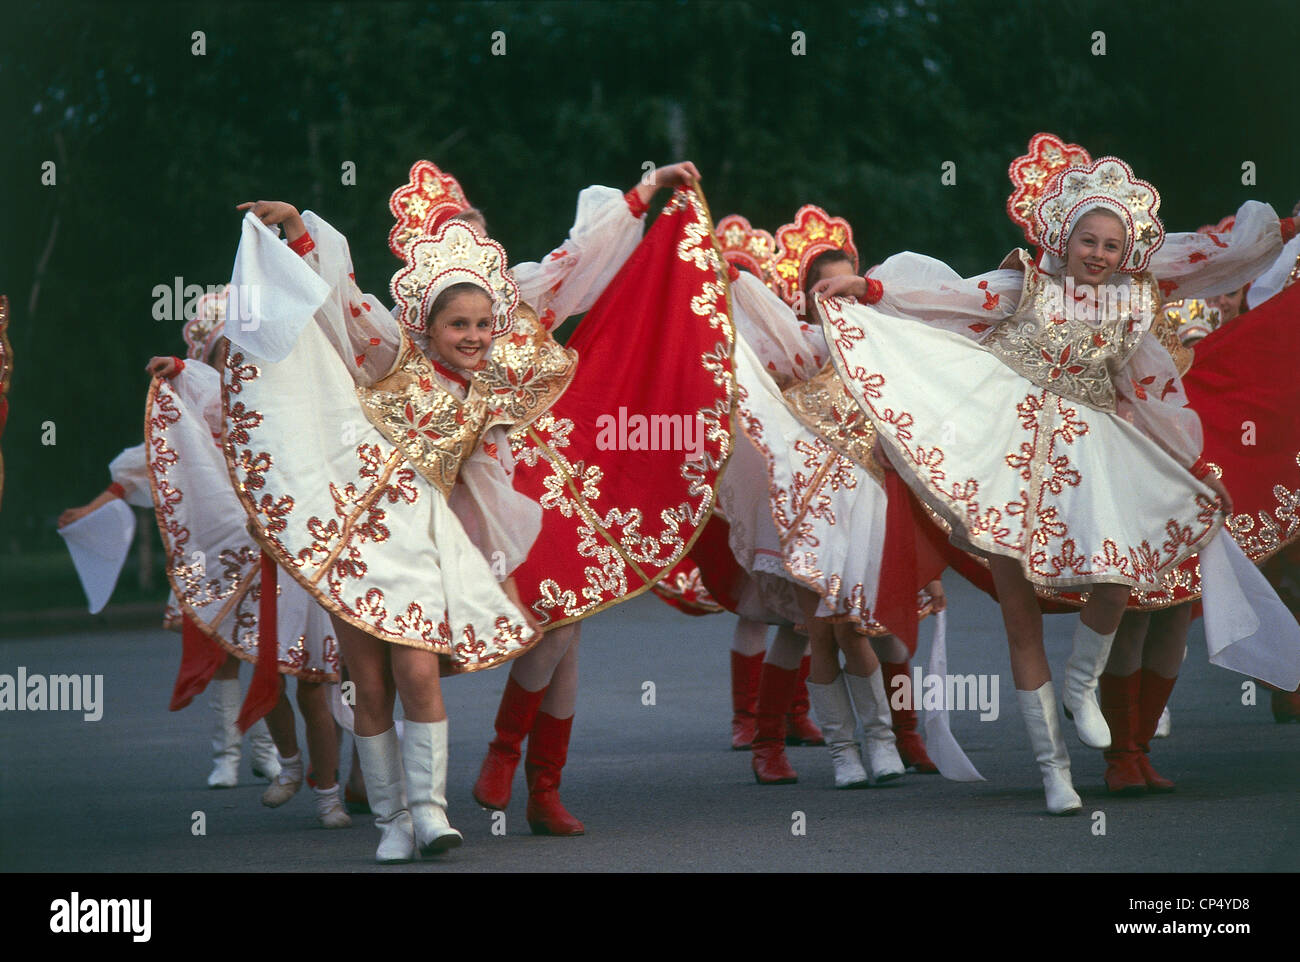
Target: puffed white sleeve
[925, 289]
[1204, 265]
[500, 522]
[277, 289]
[130, 470]
[198, 385]
[572, 276]
[1150, 396]
[1274, 280]
[789, 349]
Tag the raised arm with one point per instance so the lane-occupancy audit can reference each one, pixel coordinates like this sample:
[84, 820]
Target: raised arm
[789, 349]
[1203, 265]
[312, 272]
[606, 229]
[919, 287]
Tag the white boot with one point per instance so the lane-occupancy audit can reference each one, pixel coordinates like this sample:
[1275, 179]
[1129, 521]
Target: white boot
[834, 711]
[878, 743]
[285, 785]
[1039, 710]
[381, 764]
[329, 808]
[1079, 689]
[424, 755]
[223, 696]
[266, 760]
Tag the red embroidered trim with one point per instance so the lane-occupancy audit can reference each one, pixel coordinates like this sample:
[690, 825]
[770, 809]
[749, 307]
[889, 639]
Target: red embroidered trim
[635, 204]
[1287, 224]
[116, 490]
[451, 375]
[1200, 468]
[875, 291]
[180, 366]
[303, 246]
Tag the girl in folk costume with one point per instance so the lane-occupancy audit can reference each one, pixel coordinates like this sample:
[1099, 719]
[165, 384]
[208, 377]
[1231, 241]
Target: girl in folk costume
[216, 573]
[810, 487]
[395, 560]
[766, 680]
[1015, 404]
[1240, 376]
[617, 517]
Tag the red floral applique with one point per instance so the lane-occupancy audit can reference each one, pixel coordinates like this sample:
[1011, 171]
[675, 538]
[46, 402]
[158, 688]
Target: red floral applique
[490, 448]
[1195, 257]
[978, 327]
[374, 342]
[1139, 387]
[1059, 365]
[1217, 242]
[1098, 340]
[361, 359]
[1169, 388]
[558, 253]
[548, 318]
[1167, 287]
[356, 311]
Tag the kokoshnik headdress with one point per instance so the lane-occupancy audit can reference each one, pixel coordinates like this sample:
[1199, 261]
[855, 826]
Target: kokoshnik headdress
[439, 251]
[1031, 173]
[746, 247]
[209, 322]
[814, 232]
[1107, 183]
[1192, 318]
[428, 200]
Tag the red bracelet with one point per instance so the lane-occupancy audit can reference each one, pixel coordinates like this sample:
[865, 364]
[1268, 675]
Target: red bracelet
[303, 246]
[116, 490]
[875, 291]
[180, 366]
[635, 204]
[1200, 468]
[1288, 229]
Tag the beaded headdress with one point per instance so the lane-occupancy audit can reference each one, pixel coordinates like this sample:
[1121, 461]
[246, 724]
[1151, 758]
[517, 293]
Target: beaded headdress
[455, 254]
[424, 203]
[813, 232]
[745, 247]
[202, 331]
[1192, 318]
[1107, 183]
[1031, 172]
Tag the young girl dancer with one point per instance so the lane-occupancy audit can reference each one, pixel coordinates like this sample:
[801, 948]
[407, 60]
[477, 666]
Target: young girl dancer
[1005, 405]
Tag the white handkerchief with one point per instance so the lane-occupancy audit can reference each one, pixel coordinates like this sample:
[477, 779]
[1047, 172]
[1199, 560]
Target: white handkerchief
[98, 544]
[272, 296]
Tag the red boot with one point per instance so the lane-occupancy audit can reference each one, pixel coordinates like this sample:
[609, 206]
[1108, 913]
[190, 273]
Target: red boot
[745, 670]
[548, 749]
[1118, 695]
[799, 728]
[1152, 698]
[1286, 706]
[910, 747]
[514, 719]
[775, 694]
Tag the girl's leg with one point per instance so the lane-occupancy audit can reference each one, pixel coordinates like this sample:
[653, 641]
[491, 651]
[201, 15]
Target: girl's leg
[790, 651]
[424, 747]
[283, 727]
[530, 674]
[1093, 636]
[548, 747]
[323, 751]
[902, 708]
[378, 749]
[1161, 661]
[748, 643]
[223, 696]
[776, 691]
[1118, 689]
[1033, 680]
[866, 685]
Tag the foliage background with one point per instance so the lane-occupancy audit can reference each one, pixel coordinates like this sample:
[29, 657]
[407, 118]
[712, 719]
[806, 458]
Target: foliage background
[154, 146]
